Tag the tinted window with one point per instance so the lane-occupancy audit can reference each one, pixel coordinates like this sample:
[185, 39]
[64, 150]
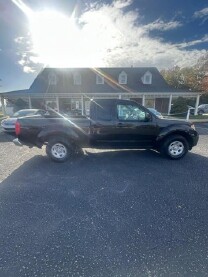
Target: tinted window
[103, 111]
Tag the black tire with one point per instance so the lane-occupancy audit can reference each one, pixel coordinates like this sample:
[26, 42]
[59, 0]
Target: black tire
[200, 112]
[59, 150]
[174, 147]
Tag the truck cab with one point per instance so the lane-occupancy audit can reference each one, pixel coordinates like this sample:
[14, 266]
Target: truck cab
[122, 124]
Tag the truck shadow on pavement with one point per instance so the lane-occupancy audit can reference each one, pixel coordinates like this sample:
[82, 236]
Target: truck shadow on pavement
[112, 213]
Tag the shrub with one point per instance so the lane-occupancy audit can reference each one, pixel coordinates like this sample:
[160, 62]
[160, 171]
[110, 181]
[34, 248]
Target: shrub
[179, 106]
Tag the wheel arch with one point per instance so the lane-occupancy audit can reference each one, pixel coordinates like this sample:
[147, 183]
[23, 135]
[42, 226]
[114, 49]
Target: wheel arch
[69, 138]
[184, 134]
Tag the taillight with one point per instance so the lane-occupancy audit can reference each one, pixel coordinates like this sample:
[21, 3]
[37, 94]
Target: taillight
[17, 128]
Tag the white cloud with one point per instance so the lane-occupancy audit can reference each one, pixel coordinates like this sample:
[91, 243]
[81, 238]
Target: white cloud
[193, 42]
[162, 26]
[27, 58]
[28, 69]
[202, 13]
[110, 35]
[122, 3]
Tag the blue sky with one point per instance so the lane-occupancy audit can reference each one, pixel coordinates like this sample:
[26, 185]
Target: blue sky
[36, 33]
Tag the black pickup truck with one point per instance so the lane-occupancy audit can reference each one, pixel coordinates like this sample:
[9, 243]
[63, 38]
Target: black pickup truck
[112, 123]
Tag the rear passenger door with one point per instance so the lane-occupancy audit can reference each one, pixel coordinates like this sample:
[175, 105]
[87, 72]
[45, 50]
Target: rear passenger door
[103, 122]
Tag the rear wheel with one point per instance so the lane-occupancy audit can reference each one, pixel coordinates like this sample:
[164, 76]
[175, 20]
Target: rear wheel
[175, 147]
[200, 112]
[58, 150]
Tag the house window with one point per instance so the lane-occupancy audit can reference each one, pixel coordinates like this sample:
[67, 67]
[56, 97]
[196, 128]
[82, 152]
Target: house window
[99, 80]
[77, 79]
[122, 79]
[149, 102]
[51, 104]
[52, 79]
[147, 78]
[76, 106]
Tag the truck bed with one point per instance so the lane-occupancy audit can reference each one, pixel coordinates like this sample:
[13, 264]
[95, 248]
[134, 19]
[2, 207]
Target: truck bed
[33, 126]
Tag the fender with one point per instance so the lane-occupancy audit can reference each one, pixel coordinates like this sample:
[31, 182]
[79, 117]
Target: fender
[182, 129]
[68, 133]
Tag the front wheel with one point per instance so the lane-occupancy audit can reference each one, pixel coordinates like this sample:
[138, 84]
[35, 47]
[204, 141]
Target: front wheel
[58, 150]
[175, 147]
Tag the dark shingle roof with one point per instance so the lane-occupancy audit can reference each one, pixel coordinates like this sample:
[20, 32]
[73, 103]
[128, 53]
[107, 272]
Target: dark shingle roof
[65, 83]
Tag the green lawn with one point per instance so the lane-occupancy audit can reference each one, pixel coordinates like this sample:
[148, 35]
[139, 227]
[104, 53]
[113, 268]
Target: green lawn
[198, 116]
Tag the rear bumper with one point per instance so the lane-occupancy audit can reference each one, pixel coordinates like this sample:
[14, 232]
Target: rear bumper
[17, 142]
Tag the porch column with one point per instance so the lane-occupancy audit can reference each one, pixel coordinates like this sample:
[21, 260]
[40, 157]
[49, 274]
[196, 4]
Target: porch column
[143, 100]
[57, 103]
[170, 102]
[30, 104]
[197, 104]
[119, 96]
[82, 103]
[3, 106]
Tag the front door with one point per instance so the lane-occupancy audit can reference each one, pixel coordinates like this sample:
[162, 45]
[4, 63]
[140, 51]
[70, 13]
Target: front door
[135, 126]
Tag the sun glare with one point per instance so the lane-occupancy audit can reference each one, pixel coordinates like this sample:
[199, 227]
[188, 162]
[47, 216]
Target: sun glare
[58, 41]
[56, 38]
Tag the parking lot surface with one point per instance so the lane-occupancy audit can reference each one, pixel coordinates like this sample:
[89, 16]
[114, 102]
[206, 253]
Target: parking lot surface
[105, 213]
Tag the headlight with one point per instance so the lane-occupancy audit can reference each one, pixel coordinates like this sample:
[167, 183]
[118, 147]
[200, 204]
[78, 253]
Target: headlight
[193, 126]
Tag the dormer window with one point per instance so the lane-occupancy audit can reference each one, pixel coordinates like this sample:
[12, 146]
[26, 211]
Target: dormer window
[77, 79]
[122, 79]
[99, 80]
[52, 79]
[147, 78]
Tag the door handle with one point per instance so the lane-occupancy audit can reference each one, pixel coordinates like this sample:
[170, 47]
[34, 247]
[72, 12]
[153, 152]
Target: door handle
[120, 124]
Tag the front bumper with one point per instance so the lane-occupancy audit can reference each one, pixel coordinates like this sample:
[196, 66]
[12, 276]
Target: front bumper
[194, 137]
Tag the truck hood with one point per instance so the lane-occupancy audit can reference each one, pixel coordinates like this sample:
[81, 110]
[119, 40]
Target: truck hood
[173, 121]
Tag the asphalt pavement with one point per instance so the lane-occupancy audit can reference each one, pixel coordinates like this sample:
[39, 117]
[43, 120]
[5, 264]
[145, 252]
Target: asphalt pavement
[105, 213]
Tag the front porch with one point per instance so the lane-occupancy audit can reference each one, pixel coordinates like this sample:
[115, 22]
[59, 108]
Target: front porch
[79, 102]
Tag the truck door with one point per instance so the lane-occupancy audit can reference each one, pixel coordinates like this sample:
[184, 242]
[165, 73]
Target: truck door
[102, 121]
[135, 126]
[122, 123]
